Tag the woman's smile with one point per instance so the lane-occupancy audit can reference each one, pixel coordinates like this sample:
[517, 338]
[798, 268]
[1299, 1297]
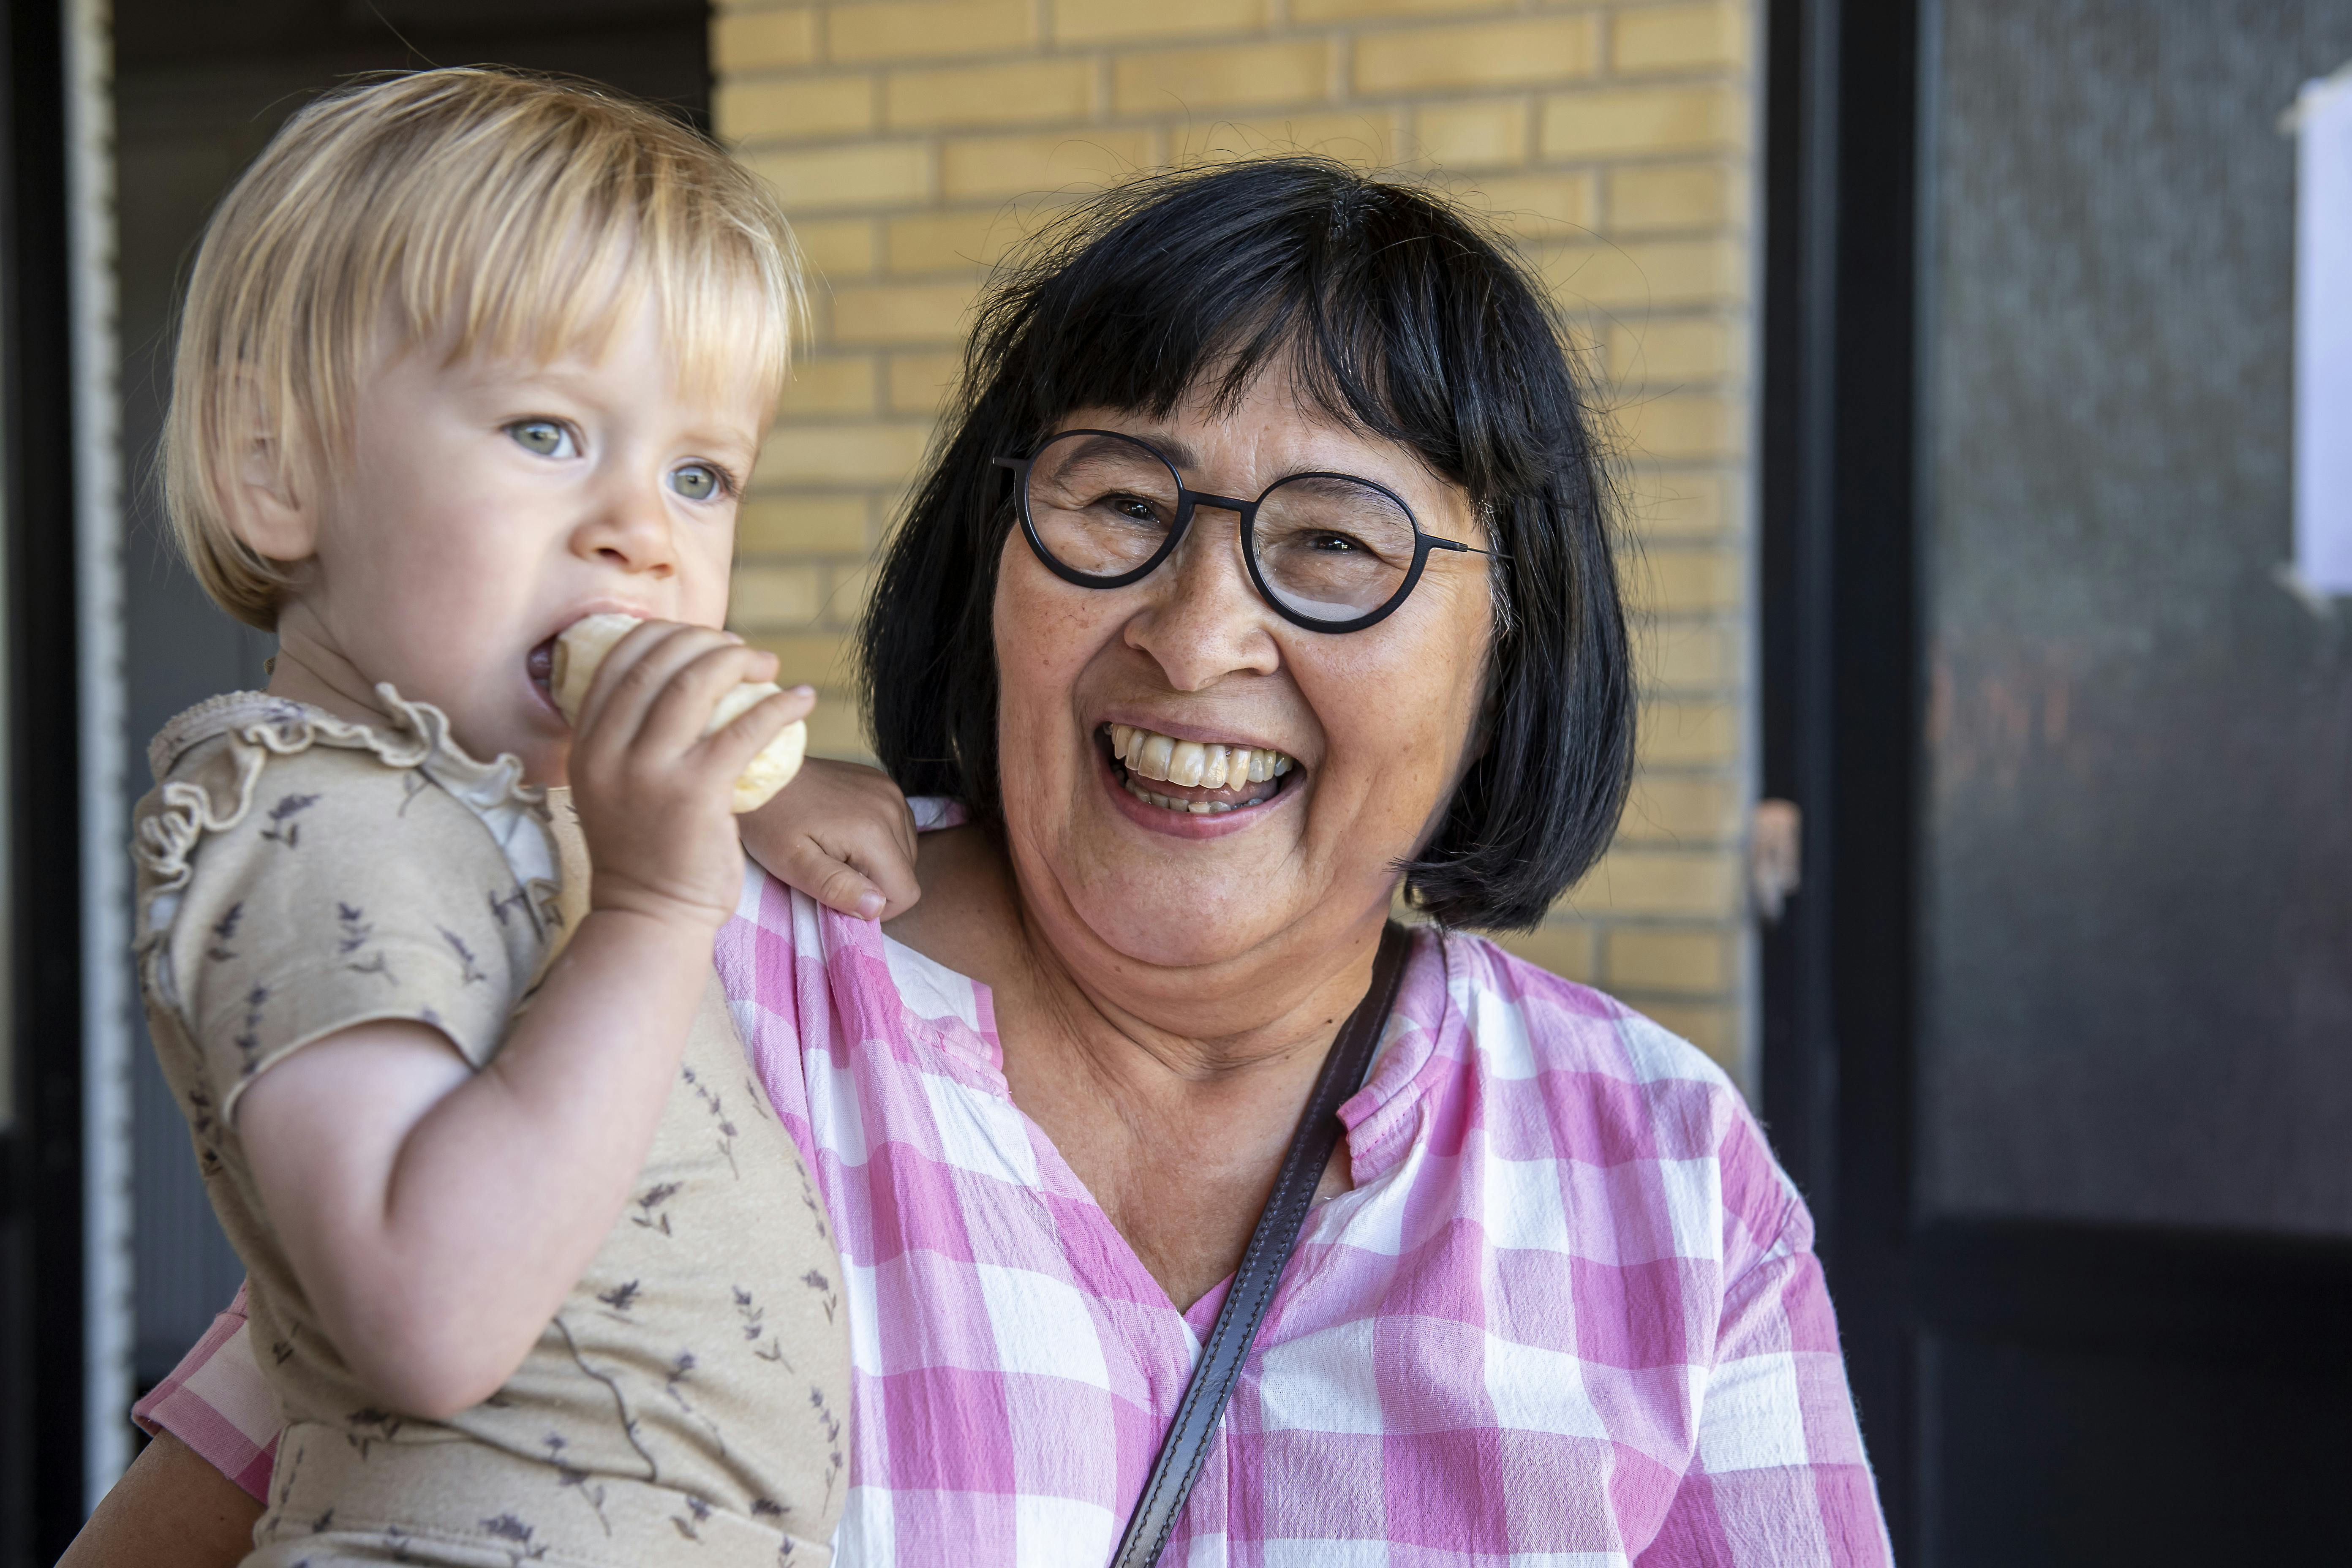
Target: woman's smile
[1194, 789]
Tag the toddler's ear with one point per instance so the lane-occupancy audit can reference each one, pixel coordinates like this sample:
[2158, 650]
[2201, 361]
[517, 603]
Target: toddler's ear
[270, 511]
[269, 495]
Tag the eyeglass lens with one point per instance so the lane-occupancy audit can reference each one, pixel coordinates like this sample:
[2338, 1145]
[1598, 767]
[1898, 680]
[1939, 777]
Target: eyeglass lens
[1328, 549]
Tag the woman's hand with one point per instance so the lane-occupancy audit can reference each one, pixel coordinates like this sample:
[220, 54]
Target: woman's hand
[841, 833]
[170, 1509]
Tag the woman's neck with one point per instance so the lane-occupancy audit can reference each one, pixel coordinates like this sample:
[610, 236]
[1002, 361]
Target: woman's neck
[1194, 1024]
[1171, 1094]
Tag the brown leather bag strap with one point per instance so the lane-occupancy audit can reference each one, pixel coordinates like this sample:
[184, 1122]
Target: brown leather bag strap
[1270, 1246]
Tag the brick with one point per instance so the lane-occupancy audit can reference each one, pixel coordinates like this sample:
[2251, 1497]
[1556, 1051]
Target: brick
[1680, 504]
[1023, 90]
[836, 728]
[1713, 1029]
[775, 525]
[1667, 809]
[919, 383]
[841, 454]
[1684, 657]
[921, 30]
[1350, 10]
[836, 384]
[1120, 21]
[1175, 81]
[838, 248]
[769, 596]
[1646, 273]
[870, 175]
[1677, 427]
[1519, 52]
[1606, 121]
[796, 108]
[900, 312]
[1564, 948]
[1674, 349]
[1538, 207]
[1670, 195]
[950, 241]
[1482, 135]
[762, 40]
[808, 658]
[1019, 165]
[1363, 140]
[1686, 733]
[1677, 38]
[1648, 958]
[844, 598]
[1659, 882]
[1686, 582]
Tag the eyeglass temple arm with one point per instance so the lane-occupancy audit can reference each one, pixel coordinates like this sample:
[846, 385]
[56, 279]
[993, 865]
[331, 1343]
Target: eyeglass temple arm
[1437, 543]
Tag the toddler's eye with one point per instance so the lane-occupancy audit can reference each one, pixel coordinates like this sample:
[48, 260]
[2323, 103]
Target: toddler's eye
[696, 481]
[544, 436]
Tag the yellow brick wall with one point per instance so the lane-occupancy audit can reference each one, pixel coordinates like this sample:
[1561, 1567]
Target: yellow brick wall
[913, 140]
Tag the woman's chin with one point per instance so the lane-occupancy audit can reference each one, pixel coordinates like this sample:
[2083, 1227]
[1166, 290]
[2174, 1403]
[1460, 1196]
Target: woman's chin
[1169, 931]
[1171, 888]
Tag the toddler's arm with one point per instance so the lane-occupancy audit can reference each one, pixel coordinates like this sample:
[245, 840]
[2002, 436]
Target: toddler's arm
[436, 1216]
[841, 833]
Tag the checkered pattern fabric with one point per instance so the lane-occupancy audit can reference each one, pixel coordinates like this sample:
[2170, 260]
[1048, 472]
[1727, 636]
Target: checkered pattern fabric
[215, 1402]
[1569, 1314]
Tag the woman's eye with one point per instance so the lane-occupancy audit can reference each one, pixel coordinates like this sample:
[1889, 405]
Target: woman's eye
[1333, 543]
[1135, 508]
[697, 481]
[544, 436]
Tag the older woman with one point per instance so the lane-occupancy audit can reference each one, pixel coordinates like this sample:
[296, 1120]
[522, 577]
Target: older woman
[1264, 573]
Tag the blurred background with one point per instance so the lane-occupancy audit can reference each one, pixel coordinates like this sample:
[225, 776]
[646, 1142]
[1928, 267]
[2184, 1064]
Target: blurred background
[1990, 825]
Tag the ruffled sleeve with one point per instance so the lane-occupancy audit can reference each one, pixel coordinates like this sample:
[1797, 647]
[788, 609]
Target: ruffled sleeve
[299, 876]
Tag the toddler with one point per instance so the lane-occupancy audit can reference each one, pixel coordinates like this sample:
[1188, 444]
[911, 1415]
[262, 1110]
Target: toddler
[469, 356]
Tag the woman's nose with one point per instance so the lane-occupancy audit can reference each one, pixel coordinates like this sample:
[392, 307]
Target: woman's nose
[630, 528]
[1206, 620]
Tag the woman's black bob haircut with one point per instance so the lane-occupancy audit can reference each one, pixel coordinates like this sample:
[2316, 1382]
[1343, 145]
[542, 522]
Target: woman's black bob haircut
[1396, 313]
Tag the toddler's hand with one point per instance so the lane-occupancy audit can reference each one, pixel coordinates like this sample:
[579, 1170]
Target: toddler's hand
[652, 790]
[841, 833]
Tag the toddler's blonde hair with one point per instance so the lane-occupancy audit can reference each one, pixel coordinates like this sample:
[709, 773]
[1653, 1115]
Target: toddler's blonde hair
[508, 214]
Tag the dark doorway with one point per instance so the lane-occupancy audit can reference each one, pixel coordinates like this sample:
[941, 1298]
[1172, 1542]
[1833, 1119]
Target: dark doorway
[200, 85]
[2057, 1038]
[42, 1391]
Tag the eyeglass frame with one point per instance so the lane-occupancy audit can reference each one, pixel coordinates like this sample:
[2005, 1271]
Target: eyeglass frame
[1187, 498]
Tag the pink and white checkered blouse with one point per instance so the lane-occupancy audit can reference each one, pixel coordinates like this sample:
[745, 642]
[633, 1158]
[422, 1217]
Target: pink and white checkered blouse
[1569, 1314]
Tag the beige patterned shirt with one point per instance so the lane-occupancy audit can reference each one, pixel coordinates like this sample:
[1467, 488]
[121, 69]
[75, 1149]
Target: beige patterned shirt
[298, 875]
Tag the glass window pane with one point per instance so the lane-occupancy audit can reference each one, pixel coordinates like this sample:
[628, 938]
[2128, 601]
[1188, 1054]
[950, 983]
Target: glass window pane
[2138, 856]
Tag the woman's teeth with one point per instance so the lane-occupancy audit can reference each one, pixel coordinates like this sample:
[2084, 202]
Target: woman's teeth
[1192, 764]
[1170, 803]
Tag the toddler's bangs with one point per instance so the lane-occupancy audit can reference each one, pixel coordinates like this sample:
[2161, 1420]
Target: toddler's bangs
[578, 246]
[499, 213]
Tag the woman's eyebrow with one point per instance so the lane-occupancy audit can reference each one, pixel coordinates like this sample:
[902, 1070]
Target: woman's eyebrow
[1173, 448]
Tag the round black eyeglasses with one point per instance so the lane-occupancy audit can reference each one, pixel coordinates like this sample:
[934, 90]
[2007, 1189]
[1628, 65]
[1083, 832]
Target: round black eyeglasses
[1331, 552]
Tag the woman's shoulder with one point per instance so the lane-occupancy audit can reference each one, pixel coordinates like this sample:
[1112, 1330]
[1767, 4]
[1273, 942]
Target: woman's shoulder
[1603, 1084]
[1527, 1020]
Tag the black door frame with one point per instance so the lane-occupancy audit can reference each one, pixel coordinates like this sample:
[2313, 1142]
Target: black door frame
[1842, 709]
[42, 1373]
[1840, 641]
